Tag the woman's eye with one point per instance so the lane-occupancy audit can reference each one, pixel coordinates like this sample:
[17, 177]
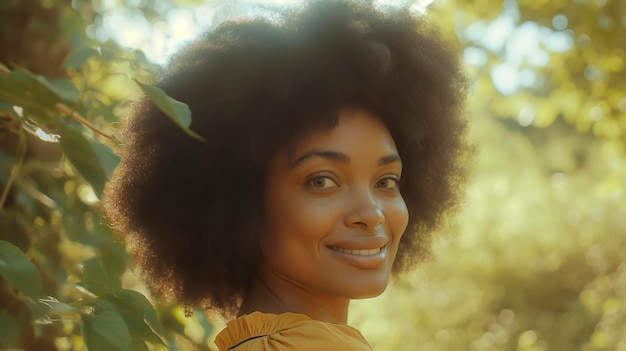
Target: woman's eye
[388, 183]
[322, 182]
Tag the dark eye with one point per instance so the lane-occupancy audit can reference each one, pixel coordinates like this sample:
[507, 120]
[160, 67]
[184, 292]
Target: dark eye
[388, 183]
[322, 182]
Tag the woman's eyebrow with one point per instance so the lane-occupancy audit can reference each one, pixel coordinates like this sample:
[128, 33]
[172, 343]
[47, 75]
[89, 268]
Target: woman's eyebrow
[327, 154]
[385, 160]
[340, 157]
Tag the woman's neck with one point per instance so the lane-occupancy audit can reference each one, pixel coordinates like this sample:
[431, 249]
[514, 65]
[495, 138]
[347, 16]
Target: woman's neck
[272, 293]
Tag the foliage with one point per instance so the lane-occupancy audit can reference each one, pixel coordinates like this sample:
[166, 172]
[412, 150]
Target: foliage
[547, 60]
[62, 270]
[533, 262]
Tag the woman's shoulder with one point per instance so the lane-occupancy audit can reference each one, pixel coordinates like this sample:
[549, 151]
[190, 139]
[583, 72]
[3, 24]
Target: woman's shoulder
[288, 331]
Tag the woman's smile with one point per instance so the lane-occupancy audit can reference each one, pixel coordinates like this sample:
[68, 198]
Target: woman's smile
[363, 258]
[361, 252]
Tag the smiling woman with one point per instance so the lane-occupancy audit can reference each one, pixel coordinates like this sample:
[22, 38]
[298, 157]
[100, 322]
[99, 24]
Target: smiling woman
[333, 219]
[334, 148]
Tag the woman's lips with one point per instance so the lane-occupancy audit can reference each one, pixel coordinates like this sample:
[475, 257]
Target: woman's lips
[362, 258]
[363, 242]
[360, 252]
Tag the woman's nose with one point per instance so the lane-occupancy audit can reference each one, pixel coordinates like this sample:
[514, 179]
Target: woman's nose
[364, 210]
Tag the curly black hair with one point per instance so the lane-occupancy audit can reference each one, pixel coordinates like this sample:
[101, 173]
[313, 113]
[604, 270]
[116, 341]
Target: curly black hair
[194, 209]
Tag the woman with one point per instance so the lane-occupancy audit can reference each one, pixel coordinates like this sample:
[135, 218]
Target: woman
[334, 146]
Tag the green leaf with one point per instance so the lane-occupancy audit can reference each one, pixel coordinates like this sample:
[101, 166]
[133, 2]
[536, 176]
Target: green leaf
[94, 276]
[82, 156]
[177, 110]
[96, 279]
[21, 88]
[18, 271]
[136, 311]
[106, 158]
[65, 89]
[174, 109]
[25, 89]
[52, 304]
[114, 258]
[113, 253]
[106, 331]
[37, 308]
[93, 160]
[141, 303]
[79, 57]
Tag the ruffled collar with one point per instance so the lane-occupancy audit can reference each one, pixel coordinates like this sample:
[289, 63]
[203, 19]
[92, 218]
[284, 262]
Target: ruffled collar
[256, 325]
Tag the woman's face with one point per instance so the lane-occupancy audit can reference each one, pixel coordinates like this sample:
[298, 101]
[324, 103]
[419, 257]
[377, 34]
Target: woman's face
[333, 213]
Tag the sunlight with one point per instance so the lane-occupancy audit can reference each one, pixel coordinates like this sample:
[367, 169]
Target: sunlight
[517, 45]
[130, 28]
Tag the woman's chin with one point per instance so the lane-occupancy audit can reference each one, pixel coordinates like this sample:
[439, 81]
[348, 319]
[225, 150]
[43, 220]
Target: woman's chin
[373, 290]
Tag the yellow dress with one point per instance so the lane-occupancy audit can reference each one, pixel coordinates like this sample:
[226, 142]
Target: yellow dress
[288, 331]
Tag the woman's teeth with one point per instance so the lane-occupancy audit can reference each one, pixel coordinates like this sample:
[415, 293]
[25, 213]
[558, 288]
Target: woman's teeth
[359, 252]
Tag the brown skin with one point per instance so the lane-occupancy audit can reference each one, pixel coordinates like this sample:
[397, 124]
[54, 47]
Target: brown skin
[336, 190]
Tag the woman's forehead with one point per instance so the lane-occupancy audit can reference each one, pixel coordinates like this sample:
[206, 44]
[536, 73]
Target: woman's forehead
[353, 128]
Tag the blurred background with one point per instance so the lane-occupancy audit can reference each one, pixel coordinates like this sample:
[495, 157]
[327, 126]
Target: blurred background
[535, 260]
